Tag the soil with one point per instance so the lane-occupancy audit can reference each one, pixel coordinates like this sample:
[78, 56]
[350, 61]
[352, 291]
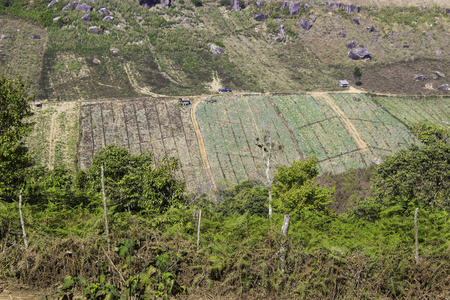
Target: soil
[12, 291]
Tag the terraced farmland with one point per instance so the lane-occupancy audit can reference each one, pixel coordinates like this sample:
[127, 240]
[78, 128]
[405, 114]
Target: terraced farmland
[160, 126]
[230, 127]
[434, 110]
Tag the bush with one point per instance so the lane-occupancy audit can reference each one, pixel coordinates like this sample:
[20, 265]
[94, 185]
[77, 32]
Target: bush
[219, 43]
[197, 2]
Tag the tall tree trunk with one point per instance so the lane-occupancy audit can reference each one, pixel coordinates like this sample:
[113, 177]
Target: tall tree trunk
[105, 211]
[21, 220]
[284, 233]
[416, 233]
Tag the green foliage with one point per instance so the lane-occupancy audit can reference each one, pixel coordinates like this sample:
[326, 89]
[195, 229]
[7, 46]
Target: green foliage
[357, 73]
[409, 16]
[197, 2]
[14, 157]
[219, 43]
[297, 190]
[429, 133]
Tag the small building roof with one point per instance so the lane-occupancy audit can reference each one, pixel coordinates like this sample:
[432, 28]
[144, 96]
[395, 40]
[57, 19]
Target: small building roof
[343, 82]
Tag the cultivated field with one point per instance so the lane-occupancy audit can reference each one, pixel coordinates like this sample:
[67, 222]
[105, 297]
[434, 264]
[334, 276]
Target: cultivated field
[54, 139]
[160, 126]
[230, 127]
[414, 110]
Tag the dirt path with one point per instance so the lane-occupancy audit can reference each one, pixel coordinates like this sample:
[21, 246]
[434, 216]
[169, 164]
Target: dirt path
[201, 142]
[350, 127]
[135, 85]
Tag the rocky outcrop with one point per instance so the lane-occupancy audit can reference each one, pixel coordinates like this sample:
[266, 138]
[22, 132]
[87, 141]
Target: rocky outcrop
[96, 61]
[84, 7]
[439, 52]
[86, 18]
[284, 4]
[439, 74]
[305, 24]
[350, 8]
[294, 8]
[36, 37]
[108, 18]
[104, 11]
[261, 17]
[420, 77]
[356, 21]
[359, 53]
[94, 29]
[216, 49]
[281, 31]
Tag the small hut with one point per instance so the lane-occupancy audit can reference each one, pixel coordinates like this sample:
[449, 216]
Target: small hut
[343, 83]
[185, 101]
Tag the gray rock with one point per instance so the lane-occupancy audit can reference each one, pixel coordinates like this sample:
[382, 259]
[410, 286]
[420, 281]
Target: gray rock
[281, 31]
[216, 49]
[104, 11]
[406, 46]
[94, 29]
[305, 24]
[447, 11]
[165, 3]
[108, 18]
[279, 20]
[313, 19]
[428, 34]
[420, 77]
[208, 9]
[84, 7]
[356, 21]
[236, 6]
[359, 53]
[261, 17]
[370, 28]
[36, 37]
[86, 18]
[66, 8]
[186, 20]
[284, 4]
[114, 50]
[51, 3]
[96, 61]
[350, 8]
[106, 32]
[439, 52]
[358, 9]
[439, 74]
[294, 8]
[73, 4]
[338, 5]
[330, 5]
[2, 37]
[281, 39]
[56, 19]
[272, 35]
[342, 35]
[444, 87]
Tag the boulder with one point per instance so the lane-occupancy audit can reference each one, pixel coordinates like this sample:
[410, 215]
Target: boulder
[294, 8]
[338, 5]
[2, 37]
[86, 18]
[281, 31]
[356, 21]
[108, 18]
[444, 87]
[284, 4]
[281, 39]
[342, 35]
[66, 8]
[439, 74]
[305, 24]
[165, 3]
[358, 9]
[420, 77]
[261, 17]
[439, 52]
[313, 19]
[447, 11]
[114, 50]
[51, 3]
[56, 19]
[84, 7]
[36, 37]
[96, 61]
[359, 53]
[370, 28]
[330, 5]
[279, 20]
[216, 49]
[236, 6]
[73, 4]
[104, 11]
[350, 8]
[94, 29]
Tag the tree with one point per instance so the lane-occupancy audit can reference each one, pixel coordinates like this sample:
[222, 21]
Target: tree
[357, 73]
[14, 157]
[297, 190]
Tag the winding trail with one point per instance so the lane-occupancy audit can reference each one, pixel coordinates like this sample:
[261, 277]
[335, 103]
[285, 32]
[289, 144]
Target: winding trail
[201, 142]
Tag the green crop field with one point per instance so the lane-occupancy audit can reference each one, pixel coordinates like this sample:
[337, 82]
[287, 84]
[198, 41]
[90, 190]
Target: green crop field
[230, 127]
[413, 110]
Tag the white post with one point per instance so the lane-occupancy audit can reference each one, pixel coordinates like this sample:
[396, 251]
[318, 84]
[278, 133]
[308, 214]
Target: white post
[198, 229]
[105, 212]
[21, 220]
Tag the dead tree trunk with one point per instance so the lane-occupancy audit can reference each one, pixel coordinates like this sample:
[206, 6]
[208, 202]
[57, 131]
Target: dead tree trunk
[105, 211]
[284, 233]
[416, 233]
[21, 220]
[198, 229]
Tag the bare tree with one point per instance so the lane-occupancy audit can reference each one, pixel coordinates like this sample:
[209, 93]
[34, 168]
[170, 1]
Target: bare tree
[105, 212]
[284, 233]
[269, 149]
[21, 220]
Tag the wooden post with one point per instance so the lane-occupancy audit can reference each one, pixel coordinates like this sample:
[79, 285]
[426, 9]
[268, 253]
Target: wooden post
[416, 233]
[198, 229]
[284, 232]
[21, 220]
[105, 212]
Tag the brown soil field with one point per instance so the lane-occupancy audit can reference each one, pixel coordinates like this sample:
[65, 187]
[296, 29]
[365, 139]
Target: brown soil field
[160, 126]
